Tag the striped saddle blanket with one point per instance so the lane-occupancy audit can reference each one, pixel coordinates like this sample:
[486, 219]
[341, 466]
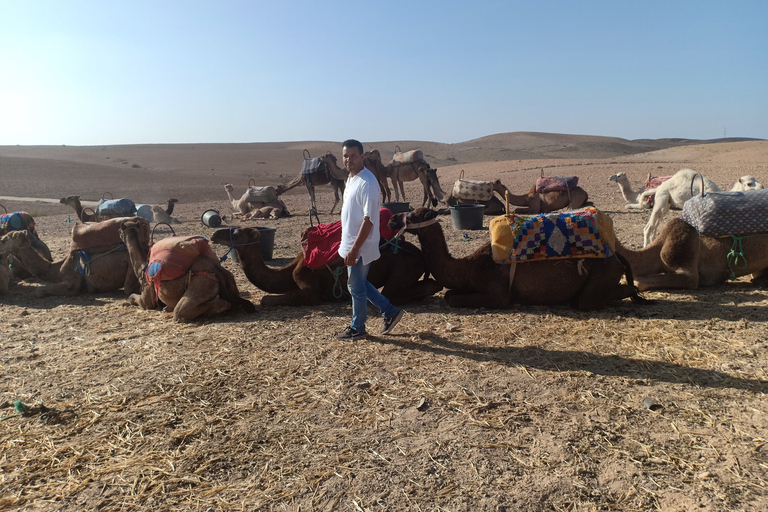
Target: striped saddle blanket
[556, 183]
[728, 213]
[584, 233]
[16, 221]
[408, 157]
[312, 166]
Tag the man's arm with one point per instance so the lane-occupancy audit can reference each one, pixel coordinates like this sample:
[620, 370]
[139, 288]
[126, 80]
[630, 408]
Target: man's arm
[365, 229]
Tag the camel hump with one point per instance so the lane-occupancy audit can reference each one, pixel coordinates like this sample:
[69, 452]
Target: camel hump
[408, 157]
[101, 236]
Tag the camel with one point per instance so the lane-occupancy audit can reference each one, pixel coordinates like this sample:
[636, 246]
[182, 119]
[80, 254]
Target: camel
[204, 288]
[477, 281]
[297, 285]
[5, 273]
[372, 161]
[165, 215]
[492, 207]
[407, 172]
[331, 173]
[74, 202]
[256, 198]
[681, 258]
[674, 192]
[8, 244]
[632, 196]
[543, 202]
[104, 269]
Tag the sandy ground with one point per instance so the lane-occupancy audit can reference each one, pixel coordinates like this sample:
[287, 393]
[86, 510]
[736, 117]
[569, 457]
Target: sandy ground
[534, 408]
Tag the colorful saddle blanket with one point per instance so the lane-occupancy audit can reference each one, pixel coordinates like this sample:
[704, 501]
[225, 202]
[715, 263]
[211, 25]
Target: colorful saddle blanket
[312, 166]
[556, 183]
[16, 221]
[321, 243]
[102, 236]
[585, 233]
[408, 157]
[172, 257]
[110, 208]
[728, 213]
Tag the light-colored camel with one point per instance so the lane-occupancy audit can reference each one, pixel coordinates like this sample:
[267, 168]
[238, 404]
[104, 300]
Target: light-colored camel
[631, 196]
[74, 202]
[105, 270]
[543, 202]
[331, 173]
[681, 258]
[674, 192]
[477, 281]
[206, 288]
[165, 215]
[746, 183]
[398, 274]
[399, 174]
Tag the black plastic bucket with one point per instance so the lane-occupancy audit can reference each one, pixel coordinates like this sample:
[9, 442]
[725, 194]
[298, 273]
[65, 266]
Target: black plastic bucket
[266, 242]
[467, 216]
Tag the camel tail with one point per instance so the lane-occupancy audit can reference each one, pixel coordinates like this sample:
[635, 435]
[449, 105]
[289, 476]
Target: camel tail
[636, 297]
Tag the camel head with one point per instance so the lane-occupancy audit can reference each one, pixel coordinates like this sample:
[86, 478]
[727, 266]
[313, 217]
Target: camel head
[418, 218]
[172, 201]
[329, 156]
[428, 178]
[14, 241]
[747, 183]
[618, 177]
[235, 236]
[229, 188]
[70, 200]
[127, 226]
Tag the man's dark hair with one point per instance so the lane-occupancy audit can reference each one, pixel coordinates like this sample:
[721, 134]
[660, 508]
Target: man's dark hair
[352, 143]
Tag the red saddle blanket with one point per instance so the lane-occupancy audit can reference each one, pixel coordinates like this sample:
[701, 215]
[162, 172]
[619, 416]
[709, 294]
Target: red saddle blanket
[321, 243]
[172, 257]
[655, 181]
[101, 236]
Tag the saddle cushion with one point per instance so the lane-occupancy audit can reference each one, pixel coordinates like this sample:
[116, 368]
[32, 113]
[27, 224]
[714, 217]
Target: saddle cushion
[264, 195]
[16, 221]
[408, 157]
[321, 243]
[115, 208]
[655, 181]
[172, 257]
[472, 190]
[728, 213]
[584, 233]
[102, 236]
[556, 183]
[312, 166]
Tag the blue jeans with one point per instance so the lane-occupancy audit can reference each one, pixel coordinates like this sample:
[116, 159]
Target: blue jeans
[363, 291]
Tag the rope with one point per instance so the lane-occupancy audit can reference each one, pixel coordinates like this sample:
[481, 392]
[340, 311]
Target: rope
[86, 259]
[338, 289]
[232, 245]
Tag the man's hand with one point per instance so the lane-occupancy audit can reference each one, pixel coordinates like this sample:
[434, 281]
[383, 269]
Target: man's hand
[351, 258]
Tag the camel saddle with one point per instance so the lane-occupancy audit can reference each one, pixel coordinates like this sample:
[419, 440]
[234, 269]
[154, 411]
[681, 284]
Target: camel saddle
[110, 208]
[262, 194]
[556, 183]
[408, 157]
[584, 233]
[719, 214]
[16, 221]
[321, 243]
[312, 166]
[105, 235]
[472, 190]
[172, 257]
[655, 181]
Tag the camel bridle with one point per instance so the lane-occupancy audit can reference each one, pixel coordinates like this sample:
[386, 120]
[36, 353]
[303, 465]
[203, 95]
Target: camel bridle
[232, 245]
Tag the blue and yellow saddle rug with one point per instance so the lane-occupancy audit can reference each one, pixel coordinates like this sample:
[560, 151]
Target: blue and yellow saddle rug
[584, 233]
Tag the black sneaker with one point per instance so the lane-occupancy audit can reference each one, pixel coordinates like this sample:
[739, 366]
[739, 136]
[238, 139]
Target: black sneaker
[391, 322]
[349, 334]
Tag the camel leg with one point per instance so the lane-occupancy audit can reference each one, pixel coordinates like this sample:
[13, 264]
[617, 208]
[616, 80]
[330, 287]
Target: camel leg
[201, 298]
[229, 292]
[399, 294]
[660, 209]
[70, 287]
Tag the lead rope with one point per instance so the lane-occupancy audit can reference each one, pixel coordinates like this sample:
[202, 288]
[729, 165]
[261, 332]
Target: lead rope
[232, 245]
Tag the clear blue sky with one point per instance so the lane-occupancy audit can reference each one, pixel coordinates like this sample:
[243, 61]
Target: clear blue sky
[104, 72]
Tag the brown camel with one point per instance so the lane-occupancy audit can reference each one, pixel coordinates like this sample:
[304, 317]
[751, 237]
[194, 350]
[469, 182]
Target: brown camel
[204, 288]
[8, 244]
[82, 215]
[297, 285]
[104, 268]
[420, 170]
[681, 258]
[331, 173]
[477, 281]
[543, 202]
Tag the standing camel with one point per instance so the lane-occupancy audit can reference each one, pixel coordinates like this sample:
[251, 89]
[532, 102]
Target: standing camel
[399, 173]
[327, 172]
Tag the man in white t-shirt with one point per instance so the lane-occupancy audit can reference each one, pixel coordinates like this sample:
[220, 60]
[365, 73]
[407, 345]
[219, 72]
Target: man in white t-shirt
[360, 243]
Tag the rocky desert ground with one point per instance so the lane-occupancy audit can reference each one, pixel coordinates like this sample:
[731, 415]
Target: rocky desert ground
[530, 409]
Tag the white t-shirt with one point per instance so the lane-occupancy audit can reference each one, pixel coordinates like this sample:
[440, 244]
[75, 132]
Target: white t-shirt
[362, 198]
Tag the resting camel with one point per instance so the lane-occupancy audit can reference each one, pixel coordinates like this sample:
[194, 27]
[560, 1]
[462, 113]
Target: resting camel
[8, 244]
[74, 202]
[332, 174]
[5, 273]
[165, 215]
[420, 170]
[682, 258]
[543, 202]
[492, 207]
[104, 270]
[674, 192]
[632, 196]
[297, 285]
[477, 281]
[205, 288]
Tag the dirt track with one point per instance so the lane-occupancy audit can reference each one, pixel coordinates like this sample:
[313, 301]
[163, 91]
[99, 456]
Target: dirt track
[536, 408]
